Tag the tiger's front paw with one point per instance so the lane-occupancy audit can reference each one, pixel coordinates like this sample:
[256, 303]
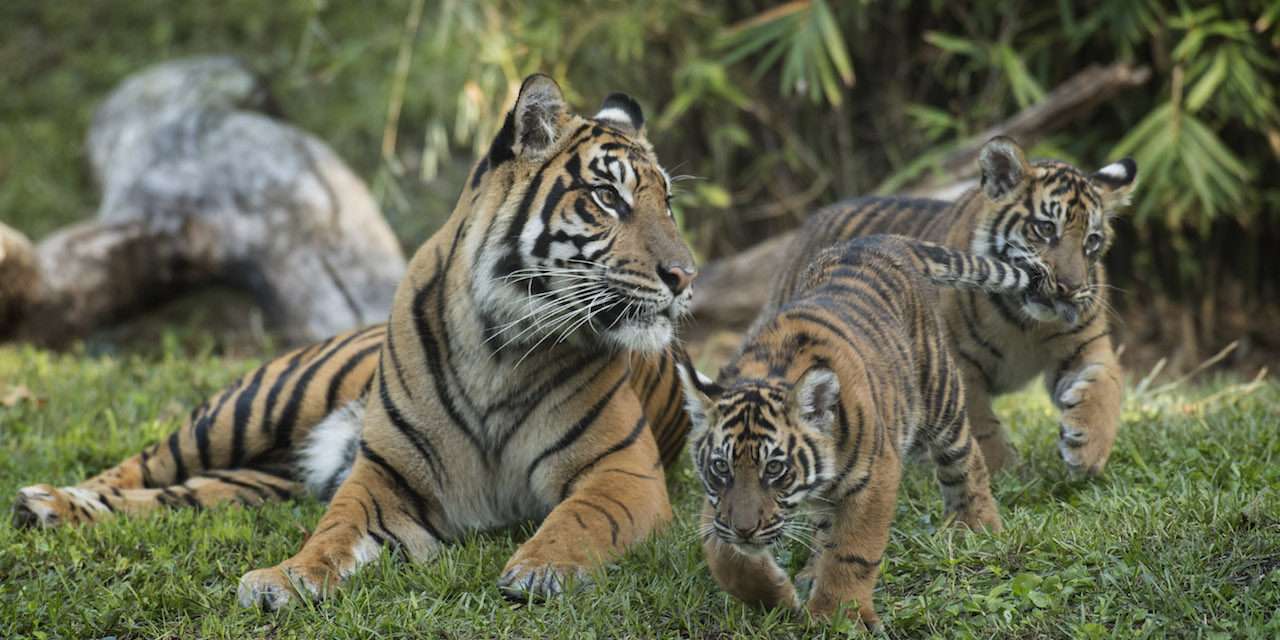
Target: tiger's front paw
[533, 580]
[278, 587]
[979, 516]
[824, 607]
[44, 505]
[1090, 415]
[1083, 451]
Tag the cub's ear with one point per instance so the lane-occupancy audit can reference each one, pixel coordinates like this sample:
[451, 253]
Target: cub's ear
[1004, 169]
[1116, 181]
[533, 126]
[815, 397]
[622, 111]
[700, 394]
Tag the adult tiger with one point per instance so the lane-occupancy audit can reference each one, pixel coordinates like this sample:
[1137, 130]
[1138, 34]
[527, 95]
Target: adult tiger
[526, 372]
[1046, 214]
[825, 399]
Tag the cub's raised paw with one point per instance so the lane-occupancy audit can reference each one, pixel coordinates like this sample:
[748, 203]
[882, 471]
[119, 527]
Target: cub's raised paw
[526, 581]
[44, 505]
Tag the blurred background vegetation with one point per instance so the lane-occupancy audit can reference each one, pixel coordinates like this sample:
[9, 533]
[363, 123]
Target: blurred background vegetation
[777, 109]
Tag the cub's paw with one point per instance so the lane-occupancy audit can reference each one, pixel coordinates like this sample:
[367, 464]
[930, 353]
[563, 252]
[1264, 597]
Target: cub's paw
[1083, 452]
[275, 588]
[43, 505]
[528, 580]
[823, 607]
[983, 518]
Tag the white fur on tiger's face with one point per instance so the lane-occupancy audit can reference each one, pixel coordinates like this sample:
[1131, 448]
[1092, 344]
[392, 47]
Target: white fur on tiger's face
[590, 251]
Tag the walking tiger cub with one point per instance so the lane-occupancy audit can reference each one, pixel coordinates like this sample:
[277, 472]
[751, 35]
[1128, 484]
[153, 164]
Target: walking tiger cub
[828, 394]
[527, 373]
[1053, 217]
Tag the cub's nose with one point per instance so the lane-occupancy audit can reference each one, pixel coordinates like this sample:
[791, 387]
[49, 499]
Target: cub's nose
[677, 277]
[745, 532]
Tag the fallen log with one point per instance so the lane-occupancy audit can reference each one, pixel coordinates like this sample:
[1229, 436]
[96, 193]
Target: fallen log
[200, 187]
[729, 291]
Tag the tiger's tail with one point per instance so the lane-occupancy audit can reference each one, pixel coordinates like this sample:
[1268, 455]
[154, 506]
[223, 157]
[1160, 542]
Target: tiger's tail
[948, 267]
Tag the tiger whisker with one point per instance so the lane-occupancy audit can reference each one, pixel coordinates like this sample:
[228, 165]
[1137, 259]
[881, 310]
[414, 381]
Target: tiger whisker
[566, 310]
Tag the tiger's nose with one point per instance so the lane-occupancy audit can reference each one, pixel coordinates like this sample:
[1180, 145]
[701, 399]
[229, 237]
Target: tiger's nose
[745, 532]
[677, 277]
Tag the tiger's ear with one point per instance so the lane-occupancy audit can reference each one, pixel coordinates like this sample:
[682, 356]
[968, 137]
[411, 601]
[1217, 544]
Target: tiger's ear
[533, 126]
[1004, 169]
[815, 397]
[622, 111]
[700, 393]
[1116, 182]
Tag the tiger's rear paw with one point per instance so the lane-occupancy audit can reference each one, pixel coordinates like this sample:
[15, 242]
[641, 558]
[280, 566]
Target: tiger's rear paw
[44, 505]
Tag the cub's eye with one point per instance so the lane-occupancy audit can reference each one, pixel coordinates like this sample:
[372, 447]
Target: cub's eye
[774, 468]
[720, 466]
[1092, 244]
[1046, 229]
[607, 197]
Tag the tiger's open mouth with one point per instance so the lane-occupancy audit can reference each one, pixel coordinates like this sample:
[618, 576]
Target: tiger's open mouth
[1044, 309]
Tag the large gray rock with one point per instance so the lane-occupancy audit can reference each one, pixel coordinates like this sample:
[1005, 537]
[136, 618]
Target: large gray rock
[199, 186]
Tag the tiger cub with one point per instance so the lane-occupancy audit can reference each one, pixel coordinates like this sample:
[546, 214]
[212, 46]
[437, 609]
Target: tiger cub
[819, 408]
[1049, 215]
[527, 373]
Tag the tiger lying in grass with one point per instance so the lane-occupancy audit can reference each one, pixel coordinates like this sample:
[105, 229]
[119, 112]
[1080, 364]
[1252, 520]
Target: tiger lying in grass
[826, 397]
[527, 373]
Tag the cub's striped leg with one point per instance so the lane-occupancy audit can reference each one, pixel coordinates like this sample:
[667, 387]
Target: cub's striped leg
[991, 434]
[963, 479]
[612, 494]
[44, 505]
[851, 551]
[255, 423]
[1086, 387]
[373, 508]
[755, 579]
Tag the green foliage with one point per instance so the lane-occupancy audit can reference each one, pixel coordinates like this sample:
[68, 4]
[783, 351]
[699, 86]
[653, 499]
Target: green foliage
[1179, 538]
[802, 37]
[755, 99]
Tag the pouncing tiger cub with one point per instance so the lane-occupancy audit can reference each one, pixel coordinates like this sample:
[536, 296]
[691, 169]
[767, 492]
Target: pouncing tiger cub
[847, 374]
[527, 373]
[1050, 216]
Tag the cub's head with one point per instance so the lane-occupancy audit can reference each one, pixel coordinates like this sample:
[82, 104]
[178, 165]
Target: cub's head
[761, 448]
[581, 244]
[1056, 219]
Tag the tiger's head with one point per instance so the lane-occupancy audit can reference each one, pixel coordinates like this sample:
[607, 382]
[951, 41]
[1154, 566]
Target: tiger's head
[583, 245]
[1053, 218]
[761, 447]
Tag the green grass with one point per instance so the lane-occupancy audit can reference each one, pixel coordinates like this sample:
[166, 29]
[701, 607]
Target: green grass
[1180, 538]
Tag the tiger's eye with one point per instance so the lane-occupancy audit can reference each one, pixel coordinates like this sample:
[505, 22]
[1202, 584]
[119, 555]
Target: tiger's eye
[774, 468]
[1046, 228]
[608, 197]
[720, 466]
